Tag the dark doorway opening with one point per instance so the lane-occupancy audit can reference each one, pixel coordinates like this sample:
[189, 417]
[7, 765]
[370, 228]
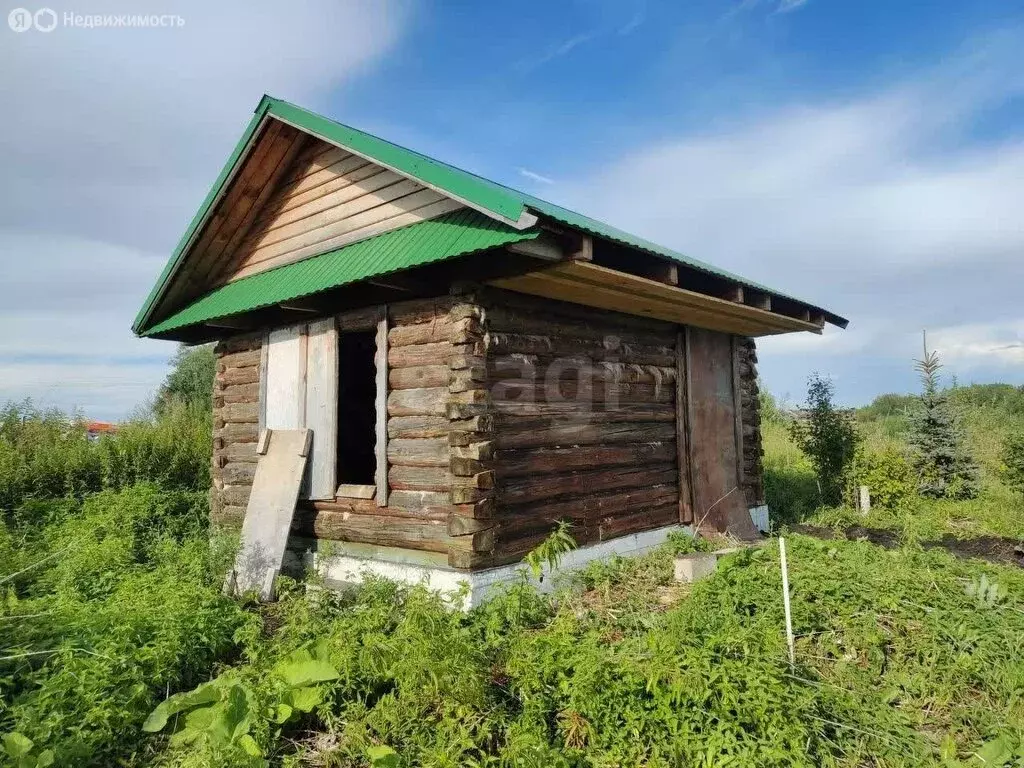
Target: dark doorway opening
[357, 413]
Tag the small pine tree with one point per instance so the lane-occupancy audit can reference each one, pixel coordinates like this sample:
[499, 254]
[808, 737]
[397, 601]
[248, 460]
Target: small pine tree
[943, 466]
[828, 437]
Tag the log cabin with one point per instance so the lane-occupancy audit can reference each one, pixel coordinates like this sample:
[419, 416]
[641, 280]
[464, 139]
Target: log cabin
[476, 364]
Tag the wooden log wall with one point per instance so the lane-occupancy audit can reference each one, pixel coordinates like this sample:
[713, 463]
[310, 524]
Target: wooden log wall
[236, 396]
[419, 344]
[750, 408]
[576, 421]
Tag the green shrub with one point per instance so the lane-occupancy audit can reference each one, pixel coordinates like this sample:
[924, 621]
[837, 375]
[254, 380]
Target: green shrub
[886, 473]
[828, 437]
[1013, 461]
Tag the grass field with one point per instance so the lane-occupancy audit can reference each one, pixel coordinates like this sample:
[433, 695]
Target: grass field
[110, 603]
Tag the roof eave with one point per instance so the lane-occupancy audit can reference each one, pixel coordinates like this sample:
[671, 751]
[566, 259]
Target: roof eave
[234, 162]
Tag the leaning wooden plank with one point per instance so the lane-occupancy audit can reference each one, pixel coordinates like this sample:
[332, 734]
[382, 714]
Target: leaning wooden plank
[268, 515]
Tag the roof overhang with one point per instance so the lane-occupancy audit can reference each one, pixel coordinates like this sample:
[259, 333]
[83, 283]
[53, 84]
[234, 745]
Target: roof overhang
[624, 272]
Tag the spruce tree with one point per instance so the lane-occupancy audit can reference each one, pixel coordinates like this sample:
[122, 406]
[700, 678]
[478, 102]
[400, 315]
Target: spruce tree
[944, 468]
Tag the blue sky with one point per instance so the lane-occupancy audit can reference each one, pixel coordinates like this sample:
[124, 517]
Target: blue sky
[865, 155]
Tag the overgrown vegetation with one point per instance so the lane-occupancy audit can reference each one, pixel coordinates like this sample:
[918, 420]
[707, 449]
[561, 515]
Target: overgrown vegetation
[117, 648]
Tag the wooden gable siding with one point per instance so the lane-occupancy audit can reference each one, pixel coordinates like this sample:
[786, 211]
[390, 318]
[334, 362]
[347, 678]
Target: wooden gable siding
[331, 198]
[270, 159]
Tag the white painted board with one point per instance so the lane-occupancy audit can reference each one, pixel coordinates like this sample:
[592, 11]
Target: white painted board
[286, 378]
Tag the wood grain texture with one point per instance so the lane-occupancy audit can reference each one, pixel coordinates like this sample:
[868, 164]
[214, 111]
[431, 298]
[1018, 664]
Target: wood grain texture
[321, 407]
[380, 404]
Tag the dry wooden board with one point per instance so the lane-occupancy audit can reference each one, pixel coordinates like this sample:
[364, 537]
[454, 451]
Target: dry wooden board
[718, 500]
[322, 407]
[593, 285]
[268, 515]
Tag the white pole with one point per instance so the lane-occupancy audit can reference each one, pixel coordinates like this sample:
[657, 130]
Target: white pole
[785, 600]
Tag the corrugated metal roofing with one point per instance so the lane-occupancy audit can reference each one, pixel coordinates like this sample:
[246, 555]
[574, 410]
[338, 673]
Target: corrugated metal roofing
[504, 203]
[492, 196]
[455, 234]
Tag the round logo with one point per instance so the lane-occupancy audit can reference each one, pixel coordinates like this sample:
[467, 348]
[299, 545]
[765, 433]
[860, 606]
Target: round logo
[45, 19]
[20, 19]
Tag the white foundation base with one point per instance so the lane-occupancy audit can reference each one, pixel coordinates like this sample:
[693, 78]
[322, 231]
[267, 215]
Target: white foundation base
[479, 585]
[353, 562]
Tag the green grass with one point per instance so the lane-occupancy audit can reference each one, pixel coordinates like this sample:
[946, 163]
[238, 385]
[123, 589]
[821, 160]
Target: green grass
[110, 602]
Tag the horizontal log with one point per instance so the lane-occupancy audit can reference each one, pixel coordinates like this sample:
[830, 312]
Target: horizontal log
[439, 329]
[462, 526]
[420, 501]
[495, 299]
[243, 359]
[418, 311]
[236, 495]
[510, 412]
[519, 490]
[653, 517]
[540, 460]
[418, 354]
[239, 413]
[465, 329]
[419, 376]
[245, 452]
[238, 376]
[418, 426]
[382, 530]
[538, 368]
[505, 319]
[419, 478]
[352, 506]
[240, 343]
[431, 452]
[479, 451]
[560, 346]
[587, 508]
[237, 432]
[238, 473]
[481, 510]
[430, 401]
[555, 390]
[239, 393]
[559, 434]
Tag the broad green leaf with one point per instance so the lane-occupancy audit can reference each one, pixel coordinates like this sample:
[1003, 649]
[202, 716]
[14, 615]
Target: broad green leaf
[304, 699]
[248, 743]
[301, 673]
[45, 758]
[996, 752]
[17, 745]
[207, 693]
[382, 757]
[281, 713]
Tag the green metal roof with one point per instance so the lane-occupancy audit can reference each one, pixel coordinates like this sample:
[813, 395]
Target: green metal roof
[454, 234]
[496, 200]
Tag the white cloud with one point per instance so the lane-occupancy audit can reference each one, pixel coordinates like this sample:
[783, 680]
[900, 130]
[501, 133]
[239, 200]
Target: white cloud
[533, 176]
[880, 208]
[786, 6]
[111, 139]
